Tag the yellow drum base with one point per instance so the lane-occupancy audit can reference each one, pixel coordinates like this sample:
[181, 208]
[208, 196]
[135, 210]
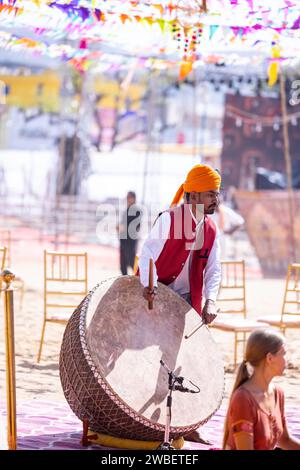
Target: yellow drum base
[117, 442]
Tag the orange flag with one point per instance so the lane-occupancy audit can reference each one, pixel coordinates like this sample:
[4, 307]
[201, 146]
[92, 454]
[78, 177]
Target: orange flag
[160, 8]
[185, 68]
[124, 18]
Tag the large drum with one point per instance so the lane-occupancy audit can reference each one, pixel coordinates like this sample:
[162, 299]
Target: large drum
[110, 362]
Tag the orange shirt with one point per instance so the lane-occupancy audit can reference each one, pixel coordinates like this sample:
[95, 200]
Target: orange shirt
[245, 415]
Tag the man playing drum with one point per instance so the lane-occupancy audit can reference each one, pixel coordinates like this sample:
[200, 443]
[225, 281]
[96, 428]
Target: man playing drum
[184, 245]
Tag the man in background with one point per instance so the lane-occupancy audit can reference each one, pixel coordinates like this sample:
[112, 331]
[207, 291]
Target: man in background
[128, 231]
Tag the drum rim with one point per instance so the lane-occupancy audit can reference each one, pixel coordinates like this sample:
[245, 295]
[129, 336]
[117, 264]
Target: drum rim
[110, 391]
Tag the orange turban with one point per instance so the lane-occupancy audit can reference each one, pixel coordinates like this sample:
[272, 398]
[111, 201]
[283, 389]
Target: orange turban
[199, 179]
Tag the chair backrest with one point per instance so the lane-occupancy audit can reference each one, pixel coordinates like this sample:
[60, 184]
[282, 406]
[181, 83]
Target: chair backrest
[291, 299]
[65, 277]
[5, 240]
[232, 293]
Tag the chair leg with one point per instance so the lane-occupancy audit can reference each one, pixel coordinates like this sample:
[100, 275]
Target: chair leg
[41, 342]
[235, 349]
[22, 291]
[244, 343]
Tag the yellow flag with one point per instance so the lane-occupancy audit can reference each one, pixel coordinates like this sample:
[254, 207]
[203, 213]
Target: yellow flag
[274, 66]
[161, 24]
[273, 73]
[149, 20]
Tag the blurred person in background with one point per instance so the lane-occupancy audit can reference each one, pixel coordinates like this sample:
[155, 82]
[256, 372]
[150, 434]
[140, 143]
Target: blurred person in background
[128, 231]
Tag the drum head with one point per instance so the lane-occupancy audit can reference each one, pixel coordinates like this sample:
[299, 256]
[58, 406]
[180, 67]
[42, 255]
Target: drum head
[126, 342]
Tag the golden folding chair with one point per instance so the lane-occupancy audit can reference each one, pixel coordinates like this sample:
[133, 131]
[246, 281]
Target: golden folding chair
[232, 303]
[65, 284]
[290, 311]
[233, 288]
[5, 239]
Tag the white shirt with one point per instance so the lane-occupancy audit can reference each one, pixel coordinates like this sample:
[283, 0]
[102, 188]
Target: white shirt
[154, 245]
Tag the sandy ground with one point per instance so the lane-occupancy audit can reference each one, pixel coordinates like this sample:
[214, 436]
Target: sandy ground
[41, 381]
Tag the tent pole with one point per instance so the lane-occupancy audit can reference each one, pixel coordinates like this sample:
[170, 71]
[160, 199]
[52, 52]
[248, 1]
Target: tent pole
[288, 165]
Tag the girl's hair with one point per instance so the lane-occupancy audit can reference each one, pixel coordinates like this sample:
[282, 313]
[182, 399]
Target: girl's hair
[259, 344]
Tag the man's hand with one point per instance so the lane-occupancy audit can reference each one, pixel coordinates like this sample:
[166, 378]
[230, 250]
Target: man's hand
[209, 311]
[149, 294]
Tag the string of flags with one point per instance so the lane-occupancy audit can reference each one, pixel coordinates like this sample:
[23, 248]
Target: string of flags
[166, 33]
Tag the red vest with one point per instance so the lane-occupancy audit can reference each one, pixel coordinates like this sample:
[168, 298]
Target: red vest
[177, 249]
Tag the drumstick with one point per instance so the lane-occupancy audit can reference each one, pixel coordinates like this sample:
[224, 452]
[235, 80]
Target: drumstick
[194, 330]
[197, 328]
[150, 302]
